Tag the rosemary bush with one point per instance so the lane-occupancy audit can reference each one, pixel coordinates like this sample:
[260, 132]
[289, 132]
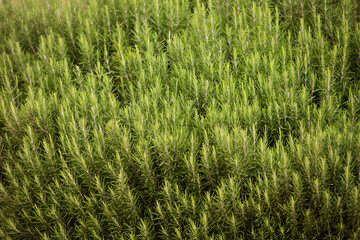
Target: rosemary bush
[179, 119]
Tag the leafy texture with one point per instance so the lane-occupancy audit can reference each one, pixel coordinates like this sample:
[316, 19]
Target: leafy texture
[179, 119]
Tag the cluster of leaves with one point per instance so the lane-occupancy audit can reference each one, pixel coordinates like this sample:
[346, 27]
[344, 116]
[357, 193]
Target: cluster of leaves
[179, 119]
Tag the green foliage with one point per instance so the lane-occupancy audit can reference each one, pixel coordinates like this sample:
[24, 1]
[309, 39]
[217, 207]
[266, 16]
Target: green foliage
[179, 119]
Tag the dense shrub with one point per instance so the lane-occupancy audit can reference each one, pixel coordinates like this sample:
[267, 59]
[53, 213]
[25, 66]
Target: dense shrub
[179, 119]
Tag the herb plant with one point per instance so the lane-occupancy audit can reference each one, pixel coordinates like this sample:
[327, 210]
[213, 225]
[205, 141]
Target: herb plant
[179, 119]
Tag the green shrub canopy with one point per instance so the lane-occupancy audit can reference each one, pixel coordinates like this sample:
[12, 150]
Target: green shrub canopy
[179, 119]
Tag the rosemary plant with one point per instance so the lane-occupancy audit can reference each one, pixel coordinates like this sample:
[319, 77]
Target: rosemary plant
[179, 119]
